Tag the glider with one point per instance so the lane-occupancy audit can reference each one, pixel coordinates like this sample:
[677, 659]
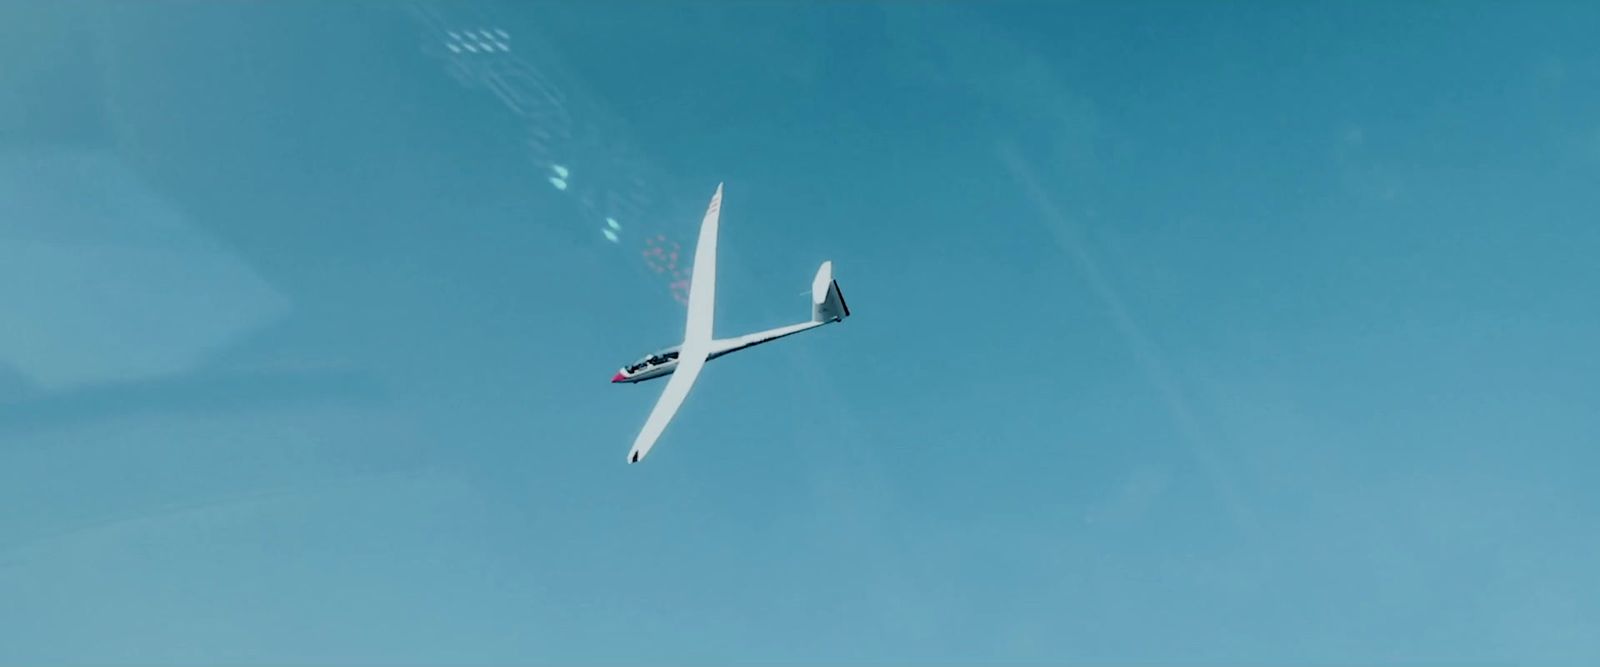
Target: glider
[684, 361]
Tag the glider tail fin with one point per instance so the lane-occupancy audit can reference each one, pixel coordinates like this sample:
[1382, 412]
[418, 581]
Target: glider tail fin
[827, 302]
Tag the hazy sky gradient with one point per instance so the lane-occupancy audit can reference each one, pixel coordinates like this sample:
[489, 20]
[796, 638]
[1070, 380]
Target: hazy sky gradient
[1184, 333]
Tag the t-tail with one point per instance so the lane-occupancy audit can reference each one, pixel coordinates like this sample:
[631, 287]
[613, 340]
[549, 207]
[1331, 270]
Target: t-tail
[827, 302]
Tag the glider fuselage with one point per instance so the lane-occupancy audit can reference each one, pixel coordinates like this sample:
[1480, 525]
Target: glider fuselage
[662, 362]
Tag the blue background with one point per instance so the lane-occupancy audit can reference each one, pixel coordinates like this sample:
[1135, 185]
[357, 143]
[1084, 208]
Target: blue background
[1184, 333]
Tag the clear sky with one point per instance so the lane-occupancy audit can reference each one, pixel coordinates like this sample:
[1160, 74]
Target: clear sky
[1184, 333]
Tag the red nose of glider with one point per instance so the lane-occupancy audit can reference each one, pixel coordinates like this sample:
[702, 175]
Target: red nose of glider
[618, 377]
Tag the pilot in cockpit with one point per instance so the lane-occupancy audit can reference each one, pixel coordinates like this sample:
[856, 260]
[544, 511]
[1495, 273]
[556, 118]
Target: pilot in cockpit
[652, 360]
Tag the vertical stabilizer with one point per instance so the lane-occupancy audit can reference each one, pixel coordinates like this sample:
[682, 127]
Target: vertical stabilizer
[827, 302]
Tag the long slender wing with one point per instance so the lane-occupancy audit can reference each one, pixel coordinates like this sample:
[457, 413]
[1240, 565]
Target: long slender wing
[703, 278]
[671, 398]
[696, 336]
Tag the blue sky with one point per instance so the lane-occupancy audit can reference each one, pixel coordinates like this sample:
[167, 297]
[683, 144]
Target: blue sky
[1183, 334]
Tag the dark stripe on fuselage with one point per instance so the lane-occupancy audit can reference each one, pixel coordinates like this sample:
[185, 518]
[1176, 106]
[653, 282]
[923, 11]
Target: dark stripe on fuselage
[840, 292]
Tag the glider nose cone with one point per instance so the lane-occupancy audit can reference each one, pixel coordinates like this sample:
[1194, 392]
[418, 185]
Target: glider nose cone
[618, 377]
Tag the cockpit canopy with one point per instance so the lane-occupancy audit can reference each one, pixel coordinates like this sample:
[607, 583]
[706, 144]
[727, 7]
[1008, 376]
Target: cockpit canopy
[655, 359]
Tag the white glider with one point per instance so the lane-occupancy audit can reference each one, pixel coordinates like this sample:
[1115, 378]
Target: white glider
[684, 361]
